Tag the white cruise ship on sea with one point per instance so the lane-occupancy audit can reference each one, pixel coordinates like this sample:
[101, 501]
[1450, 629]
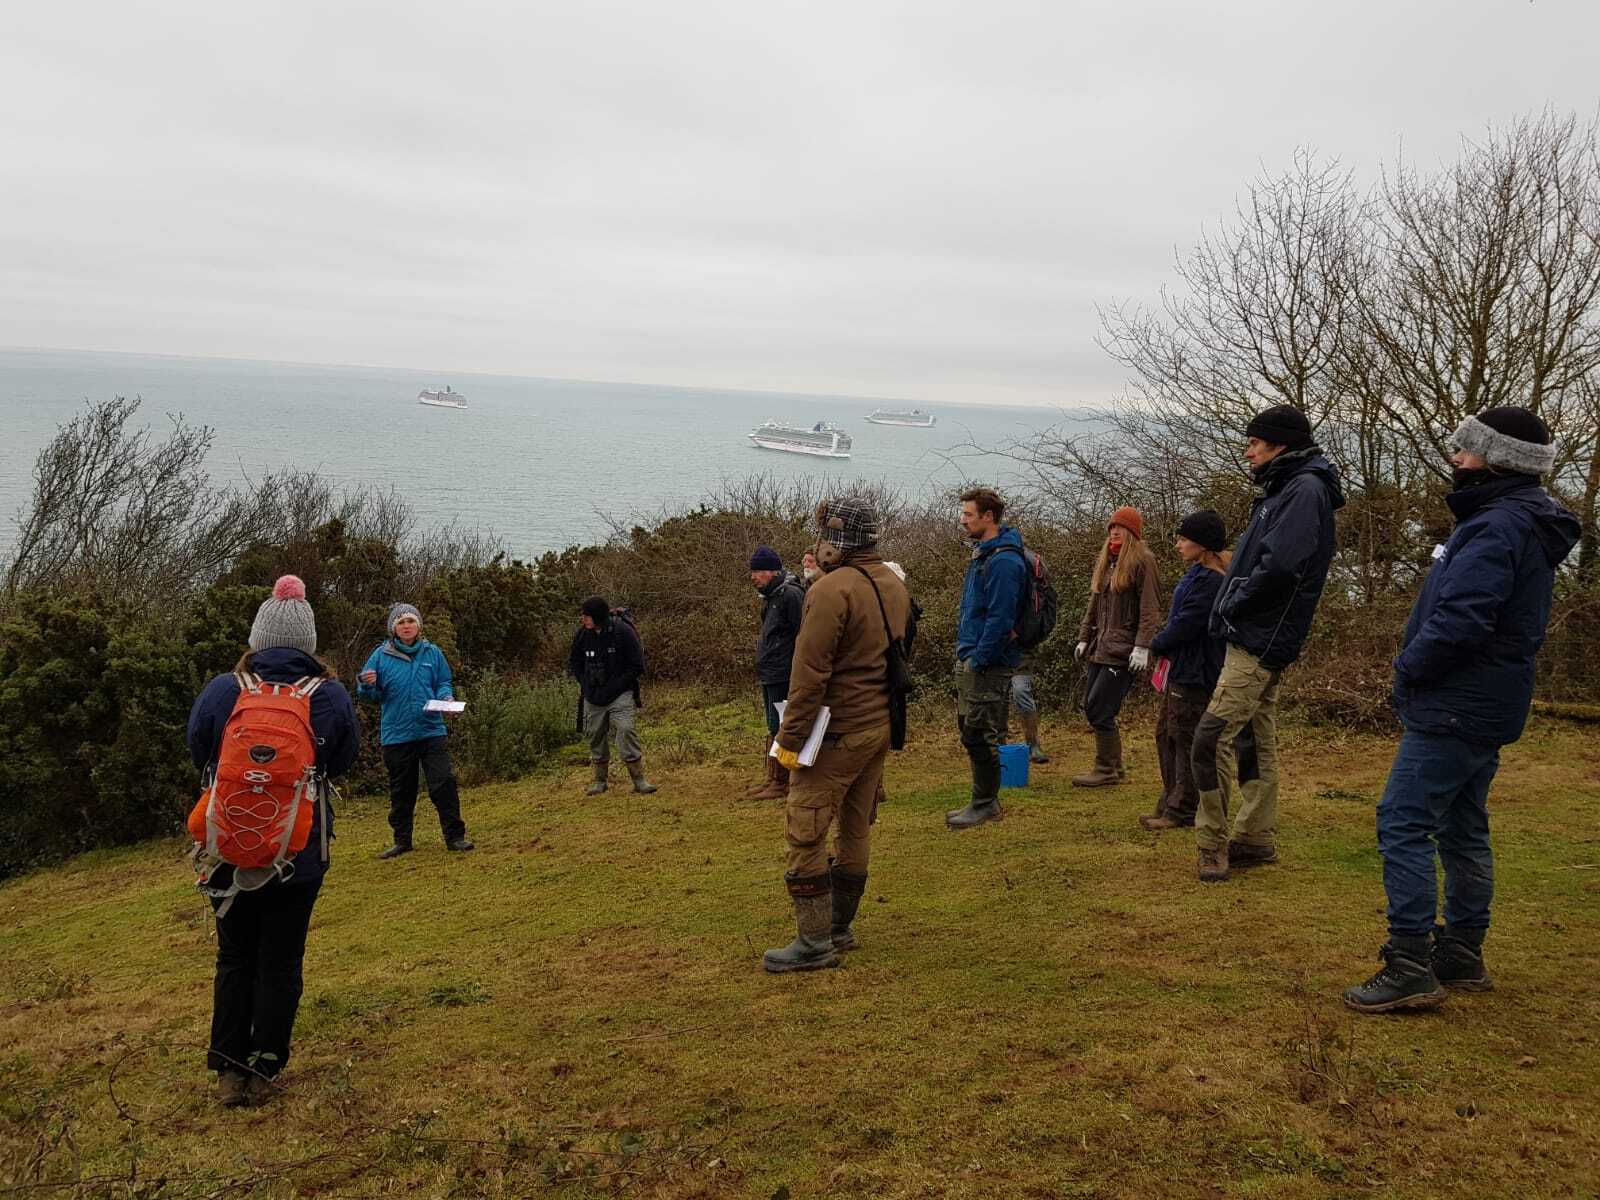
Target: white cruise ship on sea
[914, 417]
[824, 439]
[444, 399]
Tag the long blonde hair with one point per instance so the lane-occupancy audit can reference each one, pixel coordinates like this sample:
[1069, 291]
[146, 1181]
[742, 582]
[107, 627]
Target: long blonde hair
[1215, 560]
[1131, 559]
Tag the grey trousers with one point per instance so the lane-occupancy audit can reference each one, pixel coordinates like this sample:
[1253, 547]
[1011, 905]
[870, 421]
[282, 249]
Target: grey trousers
[614, 718]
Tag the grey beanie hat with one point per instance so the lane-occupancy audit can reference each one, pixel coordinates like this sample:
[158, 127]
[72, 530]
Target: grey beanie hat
[1511, 438]
[401, 610]
[285, 618]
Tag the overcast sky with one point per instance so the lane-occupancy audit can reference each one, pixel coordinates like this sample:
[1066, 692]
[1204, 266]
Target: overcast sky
[920, 199]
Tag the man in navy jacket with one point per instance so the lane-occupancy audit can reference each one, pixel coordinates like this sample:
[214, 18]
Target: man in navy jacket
[1463, 683]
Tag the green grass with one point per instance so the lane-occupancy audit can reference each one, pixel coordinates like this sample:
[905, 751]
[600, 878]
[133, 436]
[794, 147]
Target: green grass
[1050, 1006]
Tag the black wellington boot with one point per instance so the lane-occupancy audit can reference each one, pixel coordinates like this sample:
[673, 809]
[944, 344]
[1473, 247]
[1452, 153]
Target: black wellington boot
[847, 889]
[812, 948]
[985, 802]
[1406, 981]
[1458, 959]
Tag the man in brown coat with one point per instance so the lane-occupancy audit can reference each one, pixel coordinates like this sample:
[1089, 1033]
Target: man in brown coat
[839, 662]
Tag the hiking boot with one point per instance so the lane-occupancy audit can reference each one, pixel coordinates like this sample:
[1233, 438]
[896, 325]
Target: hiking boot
[636, 773]
[1457, 959]
[1030, 734]
[1161, 822]
[1406, 981]
[778, 787]
[1104, 771]
[758, 791]
[599, 784]
[396, 850]
[1245, 854]
[974, 814]
[258, 1090]
[812, 948]
[847, 889]
[1213, 864]
[459, 843]
[231, 1088]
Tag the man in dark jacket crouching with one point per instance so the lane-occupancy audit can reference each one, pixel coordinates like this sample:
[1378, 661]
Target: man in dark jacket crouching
[840, 660]
[1463, 684]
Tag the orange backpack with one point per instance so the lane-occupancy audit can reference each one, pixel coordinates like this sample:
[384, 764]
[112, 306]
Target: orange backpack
[255, 814]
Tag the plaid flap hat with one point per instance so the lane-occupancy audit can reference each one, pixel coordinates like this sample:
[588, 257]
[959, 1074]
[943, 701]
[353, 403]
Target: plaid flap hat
[848, 522]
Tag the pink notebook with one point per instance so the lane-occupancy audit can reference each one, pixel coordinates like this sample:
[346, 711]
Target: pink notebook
[1158, 677]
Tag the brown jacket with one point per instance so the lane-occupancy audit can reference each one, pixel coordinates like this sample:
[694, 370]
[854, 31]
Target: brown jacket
[1115, 622]
[839, 654]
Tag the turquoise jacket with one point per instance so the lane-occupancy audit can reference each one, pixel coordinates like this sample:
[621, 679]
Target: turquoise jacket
[405, 683]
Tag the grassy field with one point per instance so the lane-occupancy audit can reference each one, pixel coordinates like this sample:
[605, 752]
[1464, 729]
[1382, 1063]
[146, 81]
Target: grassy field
[1049, 1006]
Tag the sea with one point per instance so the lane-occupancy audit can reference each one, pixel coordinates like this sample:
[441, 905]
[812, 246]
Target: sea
[541, 463]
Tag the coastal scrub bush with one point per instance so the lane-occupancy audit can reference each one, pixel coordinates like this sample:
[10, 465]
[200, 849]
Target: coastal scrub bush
[511, 725]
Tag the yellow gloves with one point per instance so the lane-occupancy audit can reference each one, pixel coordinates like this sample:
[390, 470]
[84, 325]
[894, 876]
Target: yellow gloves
[789, 760]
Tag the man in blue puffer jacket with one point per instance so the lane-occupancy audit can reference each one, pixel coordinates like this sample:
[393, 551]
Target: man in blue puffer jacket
[986, 650]
[403, 674]
[1463, 683]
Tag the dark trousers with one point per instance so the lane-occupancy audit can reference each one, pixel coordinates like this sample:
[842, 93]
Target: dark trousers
[432, 755]
[1437, 796]
[1181, 710]
[773, 694]
[261, 945]
[1108, 688]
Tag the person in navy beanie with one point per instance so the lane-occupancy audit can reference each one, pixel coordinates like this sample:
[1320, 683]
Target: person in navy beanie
[1463, 684]
[261, 933]
[782, 598]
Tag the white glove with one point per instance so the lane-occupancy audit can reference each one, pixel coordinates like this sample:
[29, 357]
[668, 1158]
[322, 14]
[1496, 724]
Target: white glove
[1139, 660]
[1080, 650]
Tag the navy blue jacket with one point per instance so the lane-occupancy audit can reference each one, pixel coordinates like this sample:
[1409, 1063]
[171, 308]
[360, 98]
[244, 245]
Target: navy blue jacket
[333, 721]
[606, 662]
[1280, 563]
[780, 622]
[991, 597]
[406, 682]
[1466, 664]
[1186, 638]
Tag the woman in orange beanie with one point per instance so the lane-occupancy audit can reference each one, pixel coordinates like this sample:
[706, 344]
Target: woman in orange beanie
[1123, 614]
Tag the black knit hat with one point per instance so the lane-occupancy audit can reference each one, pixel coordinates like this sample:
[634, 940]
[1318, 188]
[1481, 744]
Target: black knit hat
[1204, 528]
[1511, 438]
[1283, 425]
[596, 609]
[765, 559]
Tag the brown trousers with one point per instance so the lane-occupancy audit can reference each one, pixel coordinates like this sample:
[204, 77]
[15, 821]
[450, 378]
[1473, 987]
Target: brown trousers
[843, 786]
[1180, 714]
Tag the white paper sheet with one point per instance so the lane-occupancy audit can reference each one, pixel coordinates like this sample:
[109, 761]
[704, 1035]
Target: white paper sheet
[808, 752]
[445, 706]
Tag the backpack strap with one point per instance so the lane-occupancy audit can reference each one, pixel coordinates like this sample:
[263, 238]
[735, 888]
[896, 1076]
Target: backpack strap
[882, 612]
[247, 682]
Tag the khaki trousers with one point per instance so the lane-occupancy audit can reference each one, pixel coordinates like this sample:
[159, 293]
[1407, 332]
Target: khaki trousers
[842, 786]
[1246, 695]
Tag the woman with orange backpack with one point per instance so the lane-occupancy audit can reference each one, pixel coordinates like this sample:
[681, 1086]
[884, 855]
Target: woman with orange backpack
[267, 736]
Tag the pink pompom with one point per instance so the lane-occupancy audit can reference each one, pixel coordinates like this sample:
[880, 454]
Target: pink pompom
[289, 587]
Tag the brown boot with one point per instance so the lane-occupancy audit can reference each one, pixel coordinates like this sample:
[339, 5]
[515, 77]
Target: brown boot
[759, 791]
[1104, 771]
[1213, 864]
[778, 786]
[1157, 822]
[1116, 756]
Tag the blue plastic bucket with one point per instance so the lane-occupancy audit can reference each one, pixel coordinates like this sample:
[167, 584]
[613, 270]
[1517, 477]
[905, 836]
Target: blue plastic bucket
[1014, 765]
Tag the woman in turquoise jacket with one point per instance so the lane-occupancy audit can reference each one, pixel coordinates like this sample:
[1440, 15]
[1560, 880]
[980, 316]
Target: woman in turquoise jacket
[402, 675]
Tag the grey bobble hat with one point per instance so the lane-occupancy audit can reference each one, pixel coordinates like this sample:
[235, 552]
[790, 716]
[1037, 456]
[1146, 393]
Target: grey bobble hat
[401, 610]
[285, 618]
[1511, 438]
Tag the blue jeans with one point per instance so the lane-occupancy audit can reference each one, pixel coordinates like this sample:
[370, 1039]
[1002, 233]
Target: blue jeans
[1022, 694]
[1437, 795]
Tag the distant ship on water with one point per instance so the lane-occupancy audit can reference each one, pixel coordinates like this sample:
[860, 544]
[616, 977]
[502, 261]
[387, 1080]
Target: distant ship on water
[915, 418]
[824, 439]
[444, 399]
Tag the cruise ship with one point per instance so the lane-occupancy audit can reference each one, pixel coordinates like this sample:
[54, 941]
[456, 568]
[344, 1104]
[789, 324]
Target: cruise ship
[915, 417]
[824, 439]
[444, 399]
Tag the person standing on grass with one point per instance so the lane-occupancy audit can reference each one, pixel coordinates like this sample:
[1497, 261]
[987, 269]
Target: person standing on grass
[1463, 684]
[841, 662]
[261, 934]
[1194, 660]
[1263, 611]
[986, 649]
[607, 660]
[1124, 610]
[403, 674]
[781, 601]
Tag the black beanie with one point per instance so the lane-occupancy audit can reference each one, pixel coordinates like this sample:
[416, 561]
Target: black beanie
[1204, 528]
[596, 609]
[1283, 425]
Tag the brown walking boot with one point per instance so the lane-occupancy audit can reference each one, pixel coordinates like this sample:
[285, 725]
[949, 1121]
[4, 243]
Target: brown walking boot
[1158, 822]
[1104, 771]
[1245, 854]
[231, 1088]
[757, 791]
[1213, 864]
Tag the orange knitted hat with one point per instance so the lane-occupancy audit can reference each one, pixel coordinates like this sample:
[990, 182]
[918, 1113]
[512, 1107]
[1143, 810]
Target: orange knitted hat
[1128, 517]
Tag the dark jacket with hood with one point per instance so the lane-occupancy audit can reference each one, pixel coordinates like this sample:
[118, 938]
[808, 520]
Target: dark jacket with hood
[1186, 639]
[333, 722]
[1280, 562]
[606, 661]
[991, 596]
[1466, 663]
[782, 600]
